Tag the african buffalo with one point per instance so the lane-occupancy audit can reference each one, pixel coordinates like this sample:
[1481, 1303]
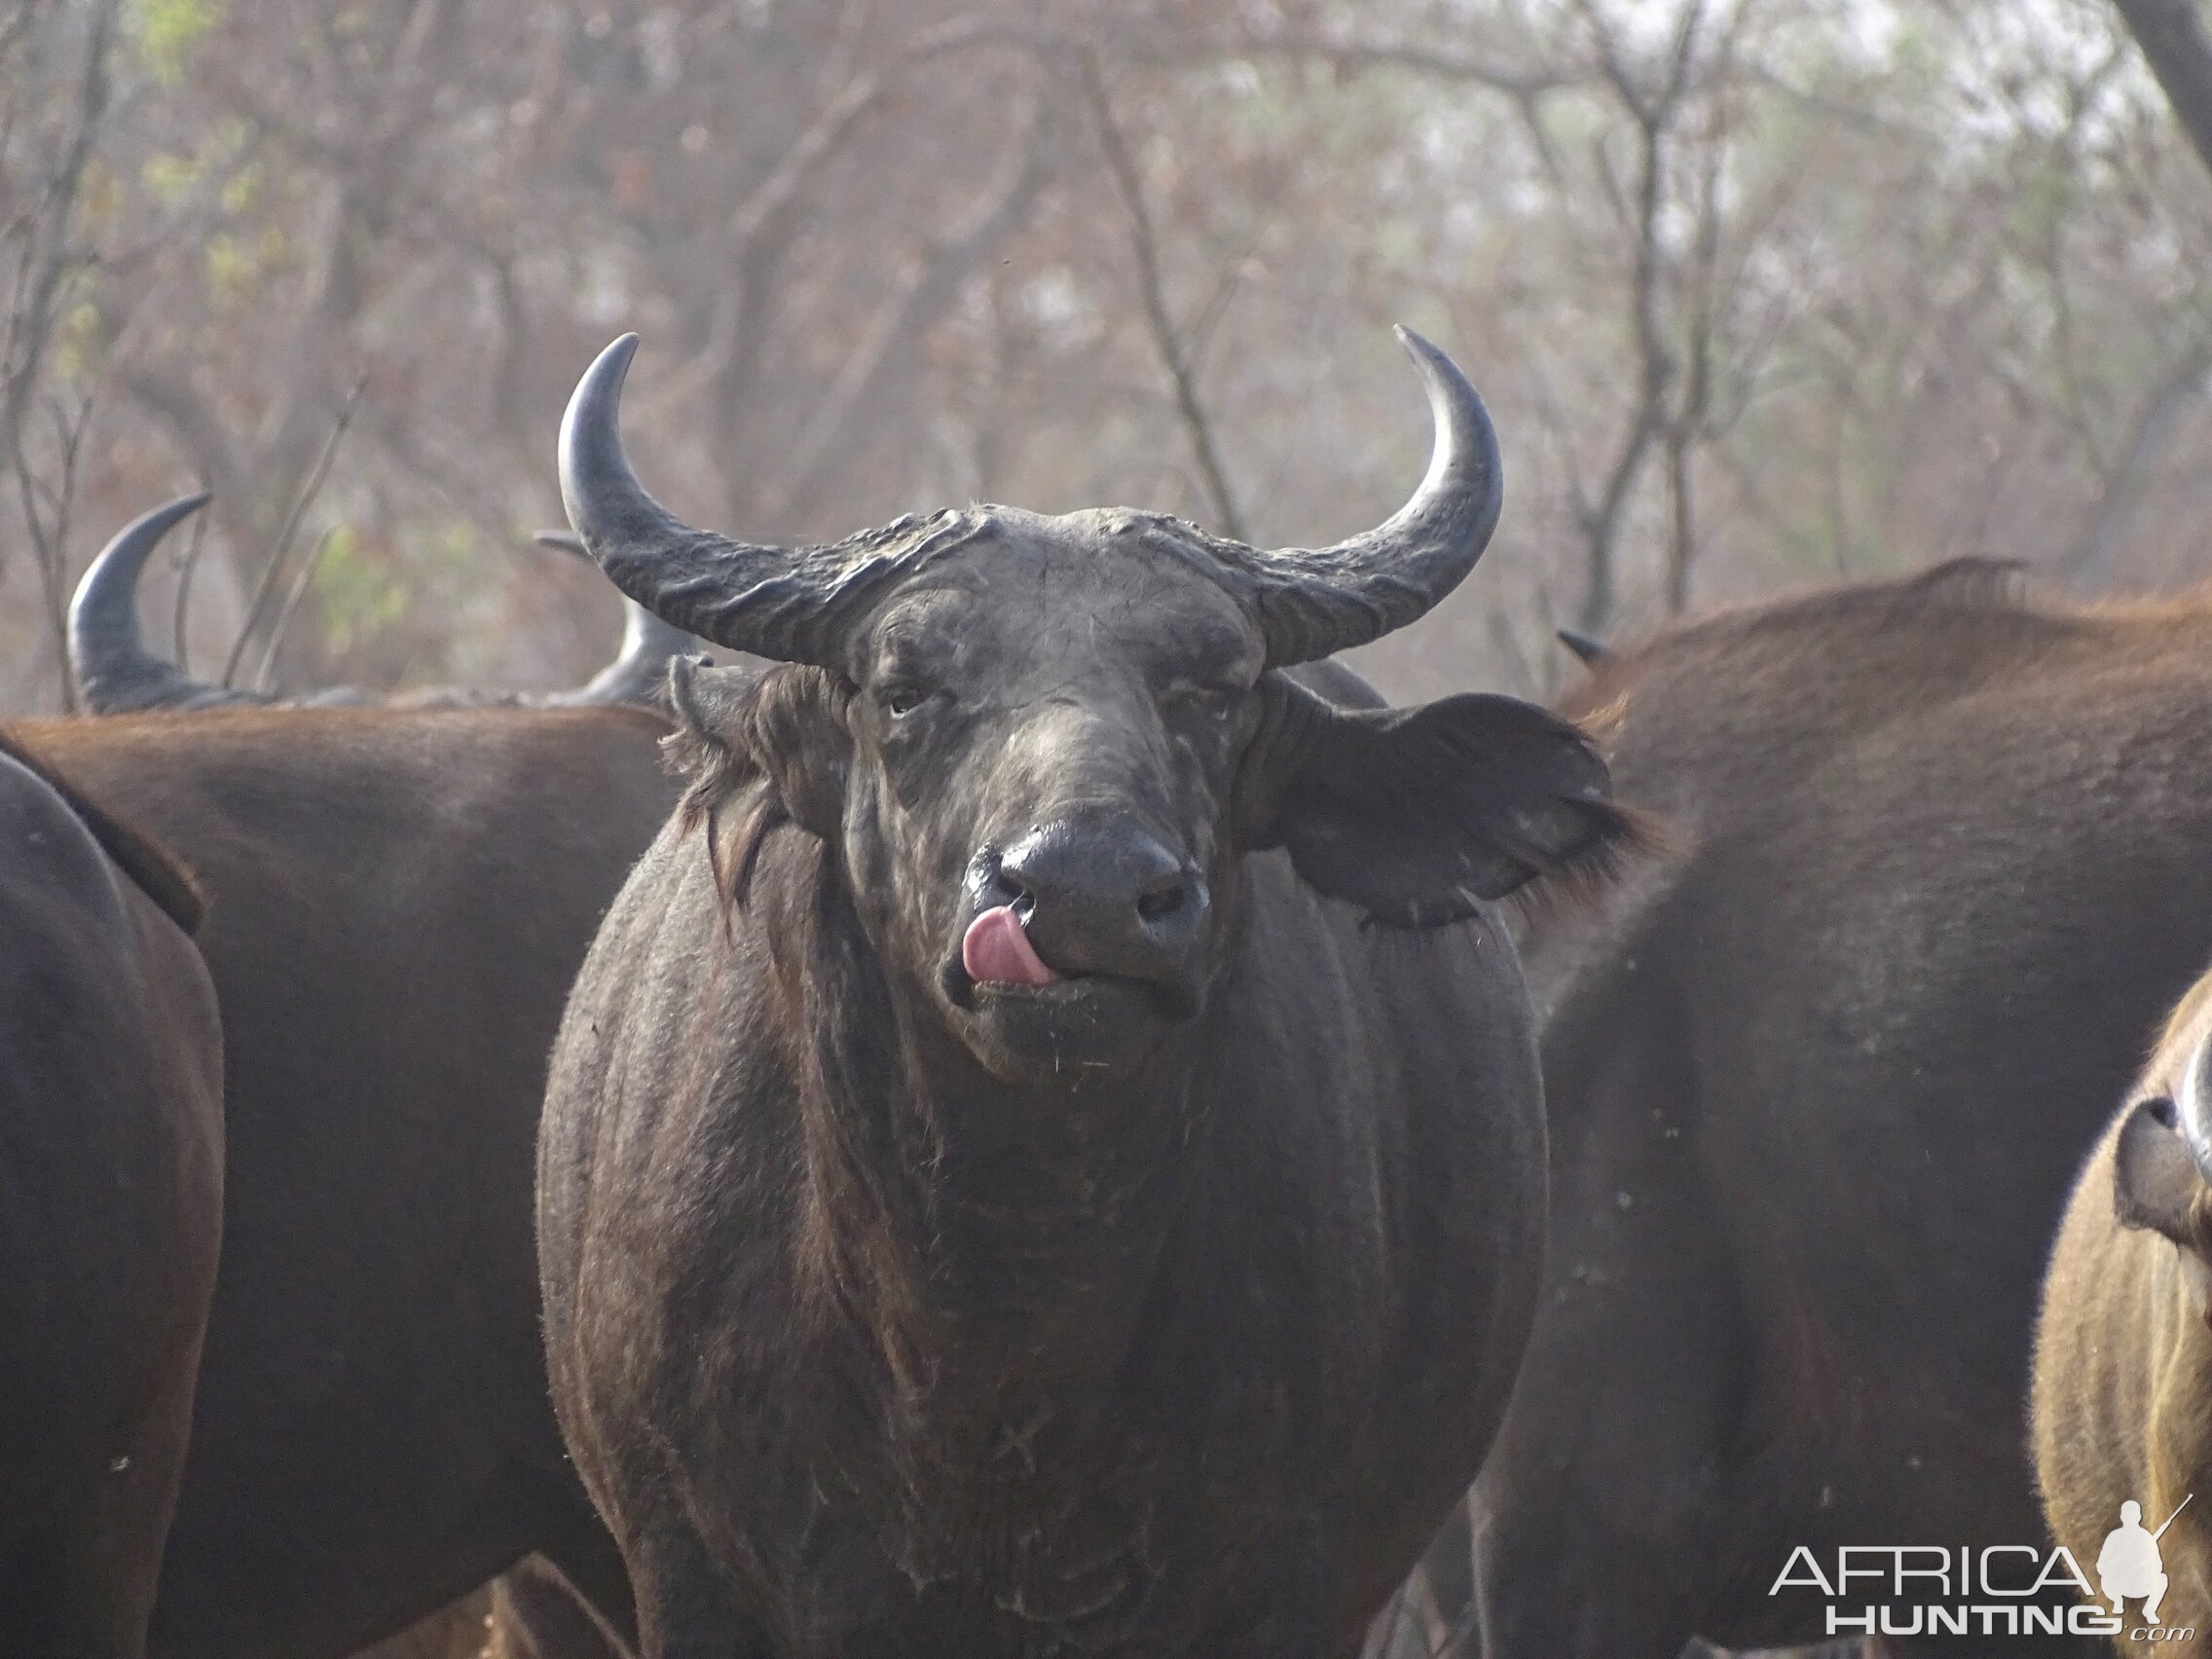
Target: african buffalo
[1817, 1086]
[398, 900]
[1045, 1154]
[117, 674]
[388, 1027]
[111, 1208]
[2122, 1399]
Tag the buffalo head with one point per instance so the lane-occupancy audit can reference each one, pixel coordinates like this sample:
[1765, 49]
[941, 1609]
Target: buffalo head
[1039, 745]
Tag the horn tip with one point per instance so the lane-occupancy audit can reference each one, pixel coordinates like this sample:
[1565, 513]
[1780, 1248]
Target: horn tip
[589, 453]
[171, 513]
[1418, 345]
[563, 541]
[1431, 359]
[602, 382]
[135, 540]
[619, 352]
[1587, 648]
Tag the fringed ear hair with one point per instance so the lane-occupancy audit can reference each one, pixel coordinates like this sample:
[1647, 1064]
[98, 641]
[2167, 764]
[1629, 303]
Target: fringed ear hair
[707, 746]
[783, 729]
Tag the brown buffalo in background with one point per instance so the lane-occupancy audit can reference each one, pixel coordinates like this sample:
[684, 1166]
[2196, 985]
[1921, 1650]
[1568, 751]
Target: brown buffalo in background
[397, 902]
[110, 1203]
[389, 1057]
[1818, 1084]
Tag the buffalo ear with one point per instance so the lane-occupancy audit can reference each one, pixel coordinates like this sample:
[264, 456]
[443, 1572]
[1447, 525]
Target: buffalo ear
[2154, 1181]
[785, 724]
[796, 729]
[1418, 815]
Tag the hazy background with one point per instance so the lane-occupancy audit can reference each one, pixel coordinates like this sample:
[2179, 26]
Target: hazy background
[1761, 292]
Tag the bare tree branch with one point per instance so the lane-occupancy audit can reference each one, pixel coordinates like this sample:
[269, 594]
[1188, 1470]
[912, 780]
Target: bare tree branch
[308, 488]
[2088, 566]
[761, 231]
[365, 130]
[46, 510]
[855, 398]
[194, 422]
[1167, 339]
[1651, 117]
[263, 675]
[760, 236]
[1669, 406]
[49, 258]
[49, 252]
[1351, 54]
[1687, 424]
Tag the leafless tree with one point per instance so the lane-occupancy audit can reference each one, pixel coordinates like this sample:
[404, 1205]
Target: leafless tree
[1757, 296]
[46, 153]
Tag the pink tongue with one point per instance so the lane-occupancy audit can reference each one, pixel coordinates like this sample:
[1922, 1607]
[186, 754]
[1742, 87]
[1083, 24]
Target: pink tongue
[996, 951]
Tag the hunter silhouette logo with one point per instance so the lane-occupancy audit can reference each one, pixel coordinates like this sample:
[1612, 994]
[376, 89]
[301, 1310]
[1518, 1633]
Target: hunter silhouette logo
[2129, 1566]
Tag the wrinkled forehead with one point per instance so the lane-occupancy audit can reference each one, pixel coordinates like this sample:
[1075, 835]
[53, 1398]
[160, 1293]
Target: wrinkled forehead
[1102, 590]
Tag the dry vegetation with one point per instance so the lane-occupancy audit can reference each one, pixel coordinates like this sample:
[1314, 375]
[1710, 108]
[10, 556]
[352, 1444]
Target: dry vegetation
[1763, 291]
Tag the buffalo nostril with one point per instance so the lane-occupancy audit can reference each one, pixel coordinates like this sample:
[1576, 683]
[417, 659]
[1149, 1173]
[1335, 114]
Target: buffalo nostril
[1162, 903]
[994, 880]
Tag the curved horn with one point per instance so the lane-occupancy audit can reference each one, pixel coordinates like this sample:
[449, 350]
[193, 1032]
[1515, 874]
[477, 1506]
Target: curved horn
[1316, 601]
[794, 603]
[790, 604]
[2194, 1105]
[116, 673]
[1590, 651]
[639, 669]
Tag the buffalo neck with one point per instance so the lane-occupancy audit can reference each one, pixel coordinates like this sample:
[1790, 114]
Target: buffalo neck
[989, 1242]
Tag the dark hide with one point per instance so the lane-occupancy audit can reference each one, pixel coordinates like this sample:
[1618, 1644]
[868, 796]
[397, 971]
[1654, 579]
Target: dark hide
[1156, 1310]
[111, 1203]
[1818, 1086]
[148, 867]
[396, 903]
[534, 1612]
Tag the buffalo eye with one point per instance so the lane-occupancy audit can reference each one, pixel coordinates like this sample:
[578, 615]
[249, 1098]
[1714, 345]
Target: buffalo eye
[1210, 702]
[902, 699]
